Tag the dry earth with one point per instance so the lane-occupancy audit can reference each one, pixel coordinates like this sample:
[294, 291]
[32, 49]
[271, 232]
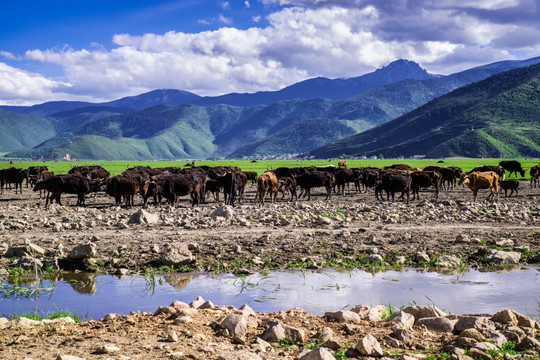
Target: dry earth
[347, 231]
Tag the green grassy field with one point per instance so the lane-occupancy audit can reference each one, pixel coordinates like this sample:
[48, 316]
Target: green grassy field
[260, 166]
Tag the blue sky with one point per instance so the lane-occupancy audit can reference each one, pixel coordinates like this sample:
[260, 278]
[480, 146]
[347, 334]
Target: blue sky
[98, 50]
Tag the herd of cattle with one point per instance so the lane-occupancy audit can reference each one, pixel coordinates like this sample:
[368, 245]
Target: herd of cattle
[172, 183]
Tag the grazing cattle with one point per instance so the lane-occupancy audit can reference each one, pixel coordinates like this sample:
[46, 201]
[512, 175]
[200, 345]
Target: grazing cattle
[267, 184]
[481, 180]
[512, 166]
[368, 177]
[251, 176]
[45, 175]
[315, 178]
[34, 173]
[214, 187]
[175, 186]
[126, 186]
[342, 164]
[70, 184]
[425, 179]
[84, 170]
[200, 177]
[535, 175]
[12, 176]
[343, 177]
[283, 172]
[398, 167]
[499, 170]
[288, 185]
[511, 185]
[393, 182]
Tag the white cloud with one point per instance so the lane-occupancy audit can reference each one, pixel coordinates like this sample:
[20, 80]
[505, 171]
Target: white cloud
[225, 5]
[246, 4]
[256, 18]
[300, 42]
[19, 87]
[225, 20]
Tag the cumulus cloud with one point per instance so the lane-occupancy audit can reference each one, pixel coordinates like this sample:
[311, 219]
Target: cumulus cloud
[19, 87]
[332, 38]
[246, 4]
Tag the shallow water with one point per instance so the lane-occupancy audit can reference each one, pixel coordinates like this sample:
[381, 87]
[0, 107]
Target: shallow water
[313, 291]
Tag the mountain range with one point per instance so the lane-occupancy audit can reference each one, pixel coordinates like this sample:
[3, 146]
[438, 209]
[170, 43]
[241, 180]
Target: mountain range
[170, 124]
[496, 117]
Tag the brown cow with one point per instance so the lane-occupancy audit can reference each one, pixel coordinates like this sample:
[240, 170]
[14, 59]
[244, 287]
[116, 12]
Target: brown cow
[481, 180]
[267, 183]
[342, 164]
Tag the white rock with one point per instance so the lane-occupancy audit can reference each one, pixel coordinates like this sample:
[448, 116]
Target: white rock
[143, 217]
[318, 354]
[369, 346]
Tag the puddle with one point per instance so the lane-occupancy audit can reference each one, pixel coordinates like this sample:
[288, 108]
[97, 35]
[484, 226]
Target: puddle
[313, 291]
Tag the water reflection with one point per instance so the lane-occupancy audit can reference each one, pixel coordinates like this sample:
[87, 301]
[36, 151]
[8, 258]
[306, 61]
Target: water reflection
[317, 291]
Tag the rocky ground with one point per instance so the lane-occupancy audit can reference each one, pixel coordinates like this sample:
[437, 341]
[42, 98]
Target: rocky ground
[348, 231]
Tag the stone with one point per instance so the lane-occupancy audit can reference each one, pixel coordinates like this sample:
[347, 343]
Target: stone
[479, 323]
[465, 342]
[295, 334]
[167, 310]
[179, 305]
[449, 261]
[317, 354]
[400, 259]
[239, 355]
[369, 346]
[478, 354]
[183, 320]
[342, 316]
[275, 331]
[505, 317]
[197, 302]
[462, 238]
[178, 255]
[504, 257]
[524, 321]
[68, 357]
[143, 217]
[236, 324]
[514, 334]
[107, 349]
[207, 305]
[406, 336]
[529, 342]
[83, 251]
[246, 310]
[495, 337]
[325, 334]
[420, 312]
[402, 319]
[472, 334]
[422, 256]
[370, 313]
[172, 336]
[226, 212]
[485, 346]
[331, 344]
[436, 324]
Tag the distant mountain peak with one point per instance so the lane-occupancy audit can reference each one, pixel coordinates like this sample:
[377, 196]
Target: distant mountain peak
[404, 69]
